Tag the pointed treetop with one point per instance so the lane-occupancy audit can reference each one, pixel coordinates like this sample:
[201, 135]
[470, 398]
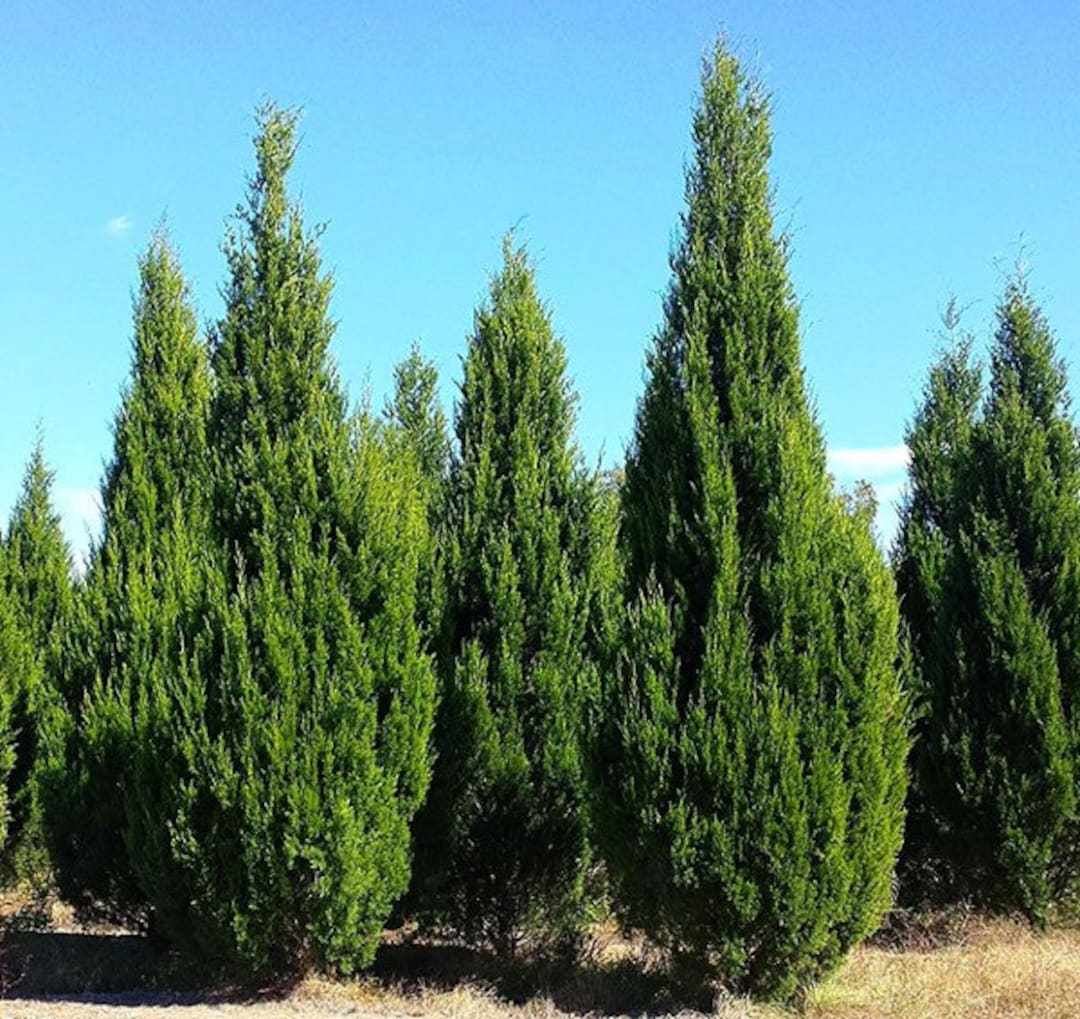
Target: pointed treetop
[416, 410]
[160, 429]
[275, 150]
[38, 562]
[1024, 358]
[515, 393]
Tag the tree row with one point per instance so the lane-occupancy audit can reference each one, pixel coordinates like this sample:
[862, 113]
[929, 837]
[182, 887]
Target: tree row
[331, 668]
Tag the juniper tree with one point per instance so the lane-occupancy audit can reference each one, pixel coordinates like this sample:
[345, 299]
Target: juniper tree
[16, 662]
[155, 482]
[38, 561]
[503, 844]
[37, 581]
[987, 563]
[282, 747]
[415, 409]
[752, 759]
[419, 424]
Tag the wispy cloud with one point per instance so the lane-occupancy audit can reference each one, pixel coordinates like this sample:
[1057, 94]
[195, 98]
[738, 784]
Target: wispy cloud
[117, 226]
[885, 468]
[869, 462]
[80, 516]
[890, 491]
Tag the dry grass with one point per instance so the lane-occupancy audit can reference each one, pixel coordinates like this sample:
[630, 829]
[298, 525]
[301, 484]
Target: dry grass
[996, 969]
[961, 968]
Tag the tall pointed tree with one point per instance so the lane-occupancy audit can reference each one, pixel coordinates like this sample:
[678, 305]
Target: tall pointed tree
[503, 843]
[752, 758]
[988, 563]
[282, 747]
[155, 482]
[37, 578]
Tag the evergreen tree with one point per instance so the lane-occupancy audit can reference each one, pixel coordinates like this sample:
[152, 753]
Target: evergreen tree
[155, 483]
[503, 843]
[38, 561]
[15, 664]
[752, 758]
[37, 579]
[419, 424]
[987, 563]
[415, 409]
[281, 746]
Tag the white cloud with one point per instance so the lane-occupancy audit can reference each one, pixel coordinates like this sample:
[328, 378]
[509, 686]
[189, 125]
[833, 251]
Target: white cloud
[889, 491]
[117, 225]
[80, 516]
[869, 461]
[885, 468]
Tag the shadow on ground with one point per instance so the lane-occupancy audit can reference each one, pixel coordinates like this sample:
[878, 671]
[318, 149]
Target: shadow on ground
[592, 986]
[135, 970]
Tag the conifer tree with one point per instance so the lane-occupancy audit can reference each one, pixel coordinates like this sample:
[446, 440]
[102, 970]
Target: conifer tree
[418, 422]
[37, 579]
[281, 747]
[415, 409]
[987, 564]
[38, 561]
[503, 843]
[155, 482]
[753, 748]
[15, 664]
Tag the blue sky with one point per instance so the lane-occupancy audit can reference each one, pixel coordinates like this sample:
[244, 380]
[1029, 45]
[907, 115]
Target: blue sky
[918, 148]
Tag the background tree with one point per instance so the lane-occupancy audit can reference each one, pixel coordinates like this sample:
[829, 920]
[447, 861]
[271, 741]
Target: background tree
[281, 746]
[415, 409]
[987, 563]
[38, 561]
[504, 841]
[37, 578]
[417, 421]
[753, 758]
[154, 484]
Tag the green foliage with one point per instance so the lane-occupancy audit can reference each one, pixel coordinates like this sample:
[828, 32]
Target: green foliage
[415, 409]
[36, 579]
[418, 423]
[16, 666]
[503, 846]
[279, 731]
[279, 427]
[754, 739]
[38, 564]
[987, 563]
[121, 630]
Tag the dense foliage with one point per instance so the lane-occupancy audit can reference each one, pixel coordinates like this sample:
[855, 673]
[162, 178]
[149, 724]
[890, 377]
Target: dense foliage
[154, 487]
[754, 762]
[37, 589]
[503, 847]
[15, 664]
[988, 562]
[254, 707]
[284, 744]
